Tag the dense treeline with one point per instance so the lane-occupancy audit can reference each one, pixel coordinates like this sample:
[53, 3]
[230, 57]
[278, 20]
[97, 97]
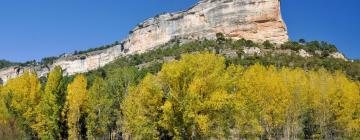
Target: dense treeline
[64, 107]
[198, 97]
[97, 48]
[201, 96]
[5, 63]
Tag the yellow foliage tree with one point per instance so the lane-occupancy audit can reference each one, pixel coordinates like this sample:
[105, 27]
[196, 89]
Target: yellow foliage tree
[75, 106]
[8, 128]
[23, 95]
[344, 105]
[198, 102]
[202, 98]
[48, 110]
[141, 109]
[296, 83]
[264, 93]
[197, 97]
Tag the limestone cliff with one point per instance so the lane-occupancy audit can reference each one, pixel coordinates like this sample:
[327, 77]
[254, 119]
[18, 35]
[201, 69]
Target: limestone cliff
[256, 20]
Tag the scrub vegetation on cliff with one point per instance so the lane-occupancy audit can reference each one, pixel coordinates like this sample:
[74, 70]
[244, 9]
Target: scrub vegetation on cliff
[285, 55]
[5, 63]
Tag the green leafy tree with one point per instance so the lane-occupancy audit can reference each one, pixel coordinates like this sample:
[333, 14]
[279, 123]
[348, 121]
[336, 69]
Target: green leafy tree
[267, 44]
[99, 110]
[117, 87]
[48, 110]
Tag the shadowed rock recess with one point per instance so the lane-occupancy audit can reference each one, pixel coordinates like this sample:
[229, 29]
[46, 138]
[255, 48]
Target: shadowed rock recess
[257, 20]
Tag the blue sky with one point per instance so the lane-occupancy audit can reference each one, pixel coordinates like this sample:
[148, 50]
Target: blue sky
[33, 29]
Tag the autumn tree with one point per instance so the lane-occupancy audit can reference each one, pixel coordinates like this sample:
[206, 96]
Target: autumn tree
[8, 125]
[99, 110]
[296, 83]
[117, 87]
[188, 99]
[197, 97]
[344, 105]
[200, 96]
[141, 110]
[48, 110]
[21, 97]
[75, 107]
[266, 96]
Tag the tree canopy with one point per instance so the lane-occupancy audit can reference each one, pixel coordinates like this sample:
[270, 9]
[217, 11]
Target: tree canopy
[198, 96]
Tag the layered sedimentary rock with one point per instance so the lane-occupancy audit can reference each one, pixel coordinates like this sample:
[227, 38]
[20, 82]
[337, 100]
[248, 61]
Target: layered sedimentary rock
[256, 20]
[90, 61]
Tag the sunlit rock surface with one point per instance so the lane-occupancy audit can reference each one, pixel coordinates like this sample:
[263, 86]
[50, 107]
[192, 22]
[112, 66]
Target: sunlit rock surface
[257, 20]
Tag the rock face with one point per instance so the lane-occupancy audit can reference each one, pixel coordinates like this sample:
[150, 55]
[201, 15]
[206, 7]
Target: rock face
[338, 55]
[90, 61]
[252, 51]
[257, 20]
[303, 53]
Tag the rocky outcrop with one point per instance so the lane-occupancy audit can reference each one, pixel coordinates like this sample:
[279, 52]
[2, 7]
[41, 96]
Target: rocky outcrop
[90, 61]
[304, 53]
[338, 55]
[252, 51]
[256, 20]
[12, 72]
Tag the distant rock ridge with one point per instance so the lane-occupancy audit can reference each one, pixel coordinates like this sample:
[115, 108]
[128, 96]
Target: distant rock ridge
[256, 20]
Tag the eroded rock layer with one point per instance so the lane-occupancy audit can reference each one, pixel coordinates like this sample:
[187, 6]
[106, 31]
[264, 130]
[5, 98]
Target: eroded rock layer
[257, 20]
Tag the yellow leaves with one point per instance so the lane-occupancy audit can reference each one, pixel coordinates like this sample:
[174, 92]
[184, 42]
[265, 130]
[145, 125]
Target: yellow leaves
[4, 112]
[53, 82]
[264, 94]
[168, 117]
[204, 123]
[48, 110]
[188, 97]
[179, 74]
[217, 101]
[75, 101]
[344, 102]
[25, 91]
[141, 109]
[199, 96]
[18, 98]
[198, 90]
[194, 98]
[77, 92]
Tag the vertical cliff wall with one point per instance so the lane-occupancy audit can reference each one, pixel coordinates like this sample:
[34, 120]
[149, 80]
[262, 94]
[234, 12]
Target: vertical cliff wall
[257, 20]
